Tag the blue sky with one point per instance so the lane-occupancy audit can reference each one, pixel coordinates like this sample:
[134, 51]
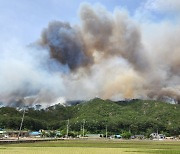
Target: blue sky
[24, 20]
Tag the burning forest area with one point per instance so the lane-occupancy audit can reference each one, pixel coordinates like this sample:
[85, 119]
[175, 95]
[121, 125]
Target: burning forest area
[89, 76]
[106, 54]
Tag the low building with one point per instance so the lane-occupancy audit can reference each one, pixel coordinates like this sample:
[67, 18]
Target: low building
[157, 136]
[35, 134]
[3, 133]
[117, 136]
[94, 136]
[170, 138]
[16, 133]
[140, 137]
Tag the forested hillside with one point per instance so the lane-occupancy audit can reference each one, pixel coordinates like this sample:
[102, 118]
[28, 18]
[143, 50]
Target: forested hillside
[137, 116]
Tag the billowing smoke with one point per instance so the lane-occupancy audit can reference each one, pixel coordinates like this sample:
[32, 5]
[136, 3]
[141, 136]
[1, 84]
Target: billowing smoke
[65, 44]
[100, 33]
[107, 55]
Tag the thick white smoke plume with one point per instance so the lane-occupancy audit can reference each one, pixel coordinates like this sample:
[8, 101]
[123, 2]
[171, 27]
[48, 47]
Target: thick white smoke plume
[163, 6]
[107, 55]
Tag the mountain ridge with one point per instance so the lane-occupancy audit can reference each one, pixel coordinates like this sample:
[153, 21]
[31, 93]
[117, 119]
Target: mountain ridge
[137, 116]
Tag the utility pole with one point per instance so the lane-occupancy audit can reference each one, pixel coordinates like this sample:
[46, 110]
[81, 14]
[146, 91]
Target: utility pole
[21, 124]
[157, 134]
[106, 131]
[157, 128]
[129, 129]
[67, 128]
[83, 126]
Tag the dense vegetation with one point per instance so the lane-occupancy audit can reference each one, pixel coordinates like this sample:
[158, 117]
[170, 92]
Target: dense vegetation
[136, 116]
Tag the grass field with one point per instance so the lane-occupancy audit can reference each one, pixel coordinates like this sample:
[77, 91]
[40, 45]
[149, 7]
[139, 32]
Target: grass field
[93, 147]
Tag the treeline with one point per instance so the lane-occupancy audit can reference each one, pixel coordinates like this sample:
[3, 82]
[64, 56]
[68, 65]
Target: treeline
[136, 116]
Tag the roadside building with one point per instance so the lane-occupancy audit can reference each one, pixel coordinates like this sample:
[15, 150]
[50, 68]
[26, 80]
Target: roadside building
[94, 136]
[14, 133]
[117, 136]
[157, 136]
[35, 134]
[140, 137]
[3, 133]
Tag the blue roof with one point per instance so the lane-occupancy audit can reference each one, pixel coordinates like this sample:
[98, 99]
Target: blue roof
[35, 133]
[118, 135]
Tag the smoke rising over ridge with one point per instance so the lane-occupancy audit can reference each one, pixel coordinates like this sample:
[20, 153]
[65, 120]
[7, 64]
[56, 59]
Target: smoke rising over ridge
[106, 55]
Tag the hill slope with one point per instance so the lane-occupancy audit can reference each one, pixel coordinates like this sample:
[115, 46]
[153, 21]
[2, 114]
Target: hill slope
[138, 116]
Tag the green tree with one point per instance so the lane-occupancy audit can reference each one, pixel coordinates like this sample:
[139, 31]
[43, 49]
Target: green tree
[126, 135]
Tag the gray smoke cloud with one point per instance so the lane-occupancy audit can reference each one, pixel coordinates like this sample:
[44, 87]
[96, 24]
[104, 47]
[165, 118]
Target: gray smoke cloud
[65, 44]
[100, 32]
[106, 55]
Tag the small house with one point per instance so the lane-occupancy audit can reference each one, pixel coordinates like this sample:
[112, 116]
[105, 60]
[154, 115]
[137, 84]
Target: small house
[94, 136]
[35, 134]
[3, 133]
[117, 136]
[157, 136]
